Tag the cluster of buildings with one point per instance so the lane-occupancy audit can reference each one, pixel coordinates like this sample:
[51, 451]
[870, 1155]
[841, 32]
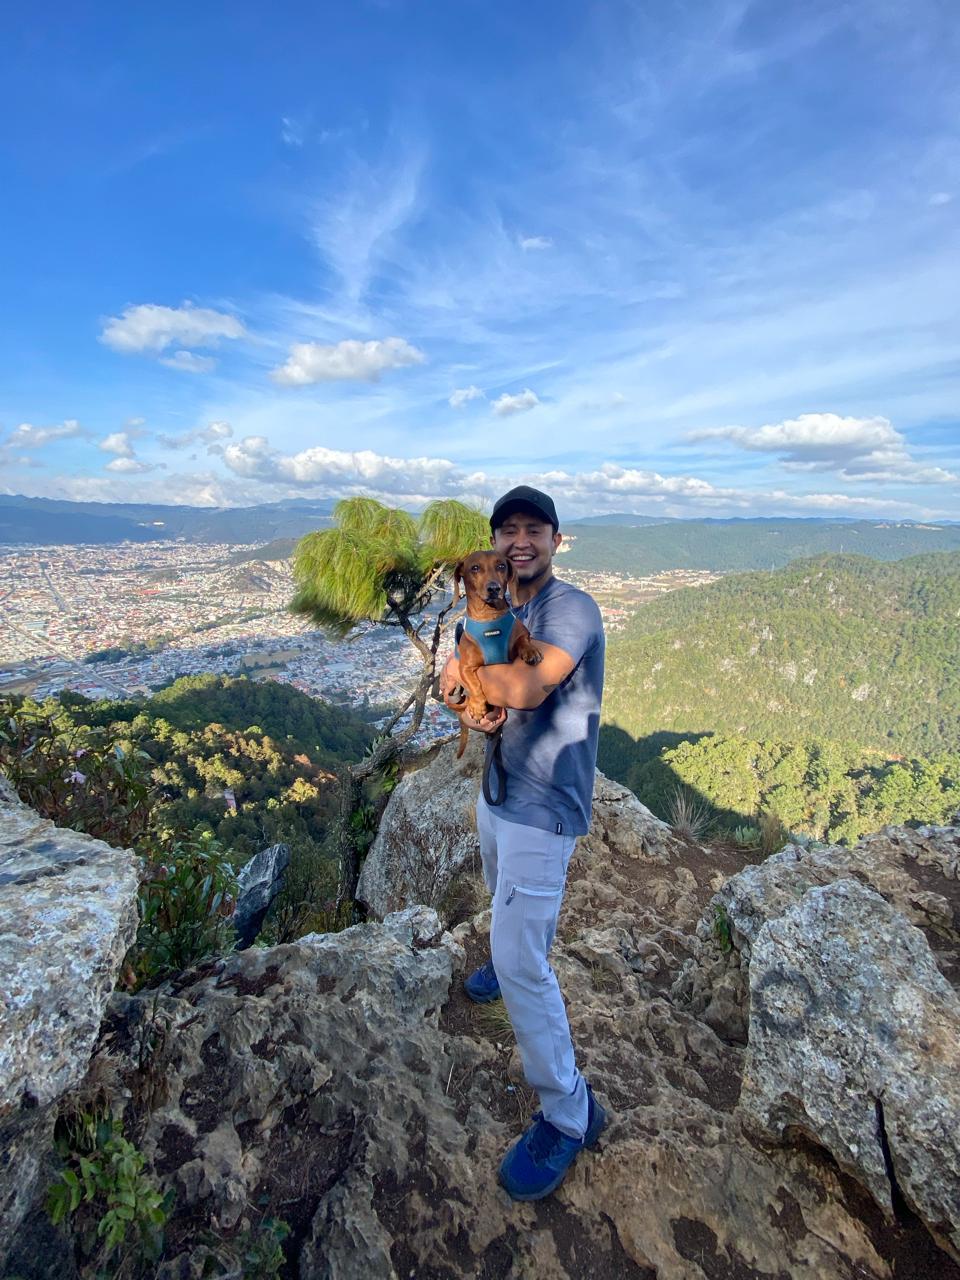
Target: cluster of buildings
[178, 609]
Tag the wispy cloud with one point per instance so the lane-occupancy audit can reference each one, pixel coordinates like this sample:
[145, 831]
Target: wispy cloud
[212, 433]
[463, 395]
[27, 436]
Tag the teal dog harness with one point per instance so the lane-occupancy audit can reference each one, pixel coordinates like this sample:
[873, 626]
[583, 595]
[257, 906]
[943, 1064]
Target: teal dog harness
[493, 637]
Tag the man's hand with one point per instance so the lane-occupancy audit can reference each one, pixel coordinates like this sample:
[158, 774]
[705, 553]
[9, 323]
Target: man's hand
[450, 682]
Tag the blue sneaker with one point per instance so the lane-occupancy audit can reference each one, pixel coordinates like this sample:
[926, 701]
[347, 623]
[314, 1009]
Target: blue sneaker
[482, 986]
[538, 1161]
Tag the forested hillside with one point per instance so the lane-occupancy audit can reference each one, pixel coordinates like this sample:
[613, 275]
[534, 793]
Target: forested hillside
[733, 546]
[249, 761]
[820, 788]
[838, 647]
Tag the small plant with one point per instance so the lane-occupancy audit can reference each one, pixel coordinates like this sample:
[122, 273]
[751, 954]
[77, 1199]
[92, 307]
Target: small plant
[747, 837]
[722, 929]
[773, 834]
[121, 1214]
[494, 1021]
[254, 1254]
[605, 980]
[689, 816]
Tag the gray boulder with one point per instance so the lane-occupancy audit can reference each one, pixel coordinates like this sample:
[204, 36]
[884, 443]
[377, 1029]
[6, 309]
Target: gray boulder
[258, 884]
[68, 913]
[855, 1042]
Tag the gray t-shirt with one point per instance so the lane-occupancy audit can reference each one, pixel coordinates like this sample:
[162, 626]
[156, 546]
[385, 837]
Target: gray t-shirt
[550, 754]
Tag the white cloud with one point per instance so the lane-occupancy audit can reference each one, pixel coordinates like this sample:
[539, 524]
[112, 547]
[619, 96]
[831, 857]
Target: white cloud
[187, 362]
[520, 403]
[150, 327]
[335, 469]
[462, 395]
[941, 197]
[535, 242]
[858, 449]
[291, 131]
[129, 466]
[27, 436]
[211, 434]
[118, 443]
[347, 361]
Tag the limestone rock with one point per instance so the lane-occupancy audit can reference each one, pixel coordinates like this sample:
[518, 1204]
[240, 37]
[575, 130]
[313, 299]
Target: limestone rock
[427, 835]
[855, 1041]
[68, 913]
[916, 871]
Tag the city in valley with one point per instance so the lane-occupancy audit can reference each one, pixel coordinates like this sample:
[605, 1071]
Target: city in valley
[121, 621]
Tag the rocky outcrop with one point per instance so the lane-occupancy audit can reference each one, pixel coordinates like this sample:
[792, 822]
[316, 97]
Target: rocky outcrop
[68, 913]
[916, 871]
[428, 836]
[855, 1042]
[345, 1084]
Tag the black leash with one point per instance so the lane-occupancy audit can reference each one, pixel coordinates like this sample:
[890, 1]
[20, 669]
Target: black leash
[493, 763]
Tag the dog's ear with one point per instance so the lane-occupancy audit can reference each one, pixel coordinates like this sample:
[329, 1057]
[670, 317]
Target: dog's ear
[511, 571]
[457, 579]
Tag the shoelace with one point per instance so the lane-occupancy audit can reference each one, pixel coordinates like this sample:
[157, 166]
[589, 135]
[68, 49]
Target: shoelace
[543, 1139]
[488, 971]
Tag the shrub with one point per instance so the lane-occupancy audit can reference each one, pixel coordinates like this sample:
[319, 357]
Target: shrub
[77, 776]
[120, 1213]
[185, 904]
[773, 834]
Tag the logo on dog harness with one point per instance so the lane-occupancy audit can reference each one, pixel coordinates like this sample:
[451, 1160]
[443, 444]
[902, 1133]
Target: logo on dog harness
[494, 632]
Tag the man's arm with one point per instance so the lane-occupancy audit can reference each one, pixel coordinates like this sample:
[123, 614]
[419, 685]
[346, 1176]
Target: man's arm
[516, 684]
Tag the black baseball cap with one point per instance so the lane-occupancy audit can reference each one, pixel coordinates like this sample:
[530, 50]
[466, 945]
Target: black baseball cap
[523, 498]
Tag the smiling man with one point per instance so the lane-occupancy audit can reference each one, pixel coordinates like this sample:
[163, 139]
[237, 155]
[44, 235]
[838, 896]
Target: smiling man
[547, 745]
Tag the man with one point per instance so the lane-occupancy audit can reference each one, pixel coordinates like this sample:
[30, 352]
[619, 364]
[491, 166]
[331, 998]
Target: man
[548, 749]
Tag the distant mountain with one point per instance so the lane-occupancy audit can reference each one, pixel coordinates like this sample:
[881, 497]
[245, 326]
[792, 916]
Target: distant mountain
[620, 517]
[49, 522]
[837, 647]
[731, 546]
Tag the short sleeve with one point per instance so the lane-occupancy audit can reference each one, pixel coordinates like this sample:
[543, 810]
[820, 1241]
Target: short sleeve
[570, 620]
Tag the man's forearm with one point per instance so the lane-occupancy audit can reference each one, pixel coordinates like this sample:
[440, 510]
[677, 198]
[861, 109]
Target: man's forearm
[513, 685]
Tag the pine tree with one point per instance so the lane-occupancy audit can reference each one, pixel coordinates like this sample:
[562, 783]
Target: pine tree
[380, 564]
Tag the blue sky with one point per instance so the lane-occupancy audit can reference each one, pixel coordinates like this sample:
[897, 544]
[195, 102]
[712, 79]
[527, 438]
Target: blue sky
[677, 258]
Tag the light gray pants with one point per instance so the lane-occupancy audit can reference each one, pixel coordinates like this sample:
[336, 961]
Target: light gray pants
[525, 870]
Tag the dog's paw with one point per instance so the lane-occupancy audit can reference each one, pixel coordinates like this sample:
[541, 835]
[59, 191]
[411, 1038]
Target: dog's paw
[532, 657]
[476, 708]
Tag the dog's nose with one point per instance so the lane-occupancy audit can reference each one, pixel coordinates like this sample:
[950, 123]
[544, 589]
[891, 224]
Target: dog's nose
[493, 588]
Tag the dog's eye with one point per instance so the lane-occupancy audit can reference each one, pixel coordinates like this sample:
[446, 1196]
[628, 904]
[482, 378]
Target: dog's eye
[474, 568]
[501, 566]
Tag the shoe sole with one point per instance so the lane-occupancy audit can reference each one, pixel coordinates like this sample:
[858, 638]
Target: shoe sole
[590, 1139]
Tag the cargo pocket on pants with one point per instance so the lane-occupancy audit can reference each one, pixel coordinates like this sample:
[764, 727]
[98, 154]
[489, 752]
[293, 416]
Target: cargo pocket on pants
[538, 907]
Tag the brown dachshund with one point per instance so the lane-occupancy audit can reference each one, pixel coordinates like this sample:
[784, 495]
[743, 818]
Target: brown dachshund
[491, 633]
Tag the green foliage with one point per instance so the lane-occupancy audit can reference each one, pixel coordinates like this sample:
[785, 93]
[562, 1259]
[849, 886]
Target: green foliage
[840, 646]
[377, 558]
[185, 902]
[259, 1252]
[118, 1213]
[747, 837]
[77, 776]
[819, 788]
[722, 930]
